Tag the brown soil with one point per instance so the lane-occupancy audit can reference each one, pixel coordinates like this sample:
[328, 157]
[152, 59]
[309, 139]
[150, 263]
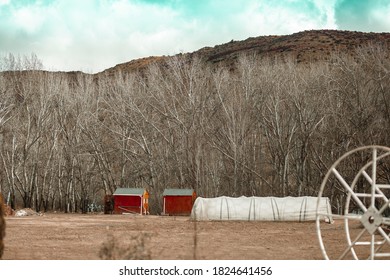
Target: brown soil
[81, 237]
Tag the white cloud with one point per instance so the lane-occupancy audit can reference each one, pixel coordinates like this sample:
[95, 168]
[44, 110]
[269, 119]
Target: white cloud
[93, 35]
[4, 2]
[28, 18]
[266, 18]
[327, 8]
[381, 18]
[84, 35]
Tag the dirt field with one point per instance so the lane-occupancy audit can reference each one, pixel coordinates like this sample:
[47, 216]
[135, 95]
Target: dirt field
[81, 237]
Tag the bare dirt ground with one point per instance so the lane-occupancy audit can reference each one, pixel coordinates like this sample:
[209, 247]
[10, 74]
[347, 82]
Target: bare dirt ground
[81, 237]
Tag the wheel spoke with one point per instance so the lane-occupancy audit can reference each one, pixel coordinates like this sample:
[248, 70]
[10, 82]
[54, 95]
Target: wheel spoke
[386, 221]
[350, 246]
[374, 159]
[344, 217]
[349, 189]
[377, 187]
[384, 235]
[372, 247]
[384, 207]
[383, 242]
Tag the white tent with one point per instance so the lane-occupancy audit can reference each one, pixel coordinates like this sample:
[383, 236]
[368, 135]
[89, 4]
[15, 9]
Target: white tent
[260, 208]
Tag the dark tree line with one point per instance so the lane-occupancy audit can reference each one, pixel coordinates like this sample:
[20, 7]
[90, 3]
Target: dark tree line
[266, 128]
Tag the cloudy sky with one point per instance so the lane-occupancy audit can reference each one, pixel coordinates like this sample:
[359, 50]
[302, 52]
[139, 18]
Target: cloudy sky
[92, 35]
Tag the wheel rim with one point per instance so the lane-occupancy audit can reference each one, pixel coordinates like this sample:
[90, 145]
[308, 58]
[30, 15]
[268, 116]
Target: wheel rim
[370, 241]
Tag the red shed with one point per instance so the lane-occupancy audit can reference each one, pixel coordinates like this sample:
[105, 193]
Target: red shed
[131, 200]
[178, 201]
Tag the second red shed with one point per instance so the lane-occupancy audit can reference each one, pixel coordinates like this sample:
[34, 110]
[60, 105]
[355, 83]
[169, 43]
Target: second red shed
[178, 201]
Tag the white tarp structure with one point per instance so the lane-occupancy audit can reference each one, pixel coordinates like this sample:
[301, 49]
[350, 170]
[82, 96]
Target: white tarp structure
[260, 208]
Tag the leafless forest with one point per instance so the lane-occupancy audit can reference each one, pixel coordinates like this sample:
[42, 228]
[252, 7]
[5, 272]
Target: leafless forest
[265, 127]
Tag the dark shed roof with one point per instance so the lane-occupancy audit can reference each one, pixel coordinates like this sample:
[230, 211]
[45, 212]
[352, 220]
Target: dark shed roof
[129, 191]
[178, 192]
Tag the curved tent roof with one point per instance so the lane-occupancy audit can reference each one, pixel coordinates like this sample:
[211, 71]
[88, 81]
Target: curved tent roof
[260, 208]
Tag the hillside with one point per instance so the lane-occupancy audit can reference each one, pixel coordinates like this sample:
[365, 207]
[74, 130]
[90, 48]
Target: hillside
[304, 47]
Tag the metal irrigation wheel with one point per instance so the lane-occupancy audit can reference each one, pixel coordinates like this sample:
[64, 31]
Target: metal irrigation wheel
[365, 217]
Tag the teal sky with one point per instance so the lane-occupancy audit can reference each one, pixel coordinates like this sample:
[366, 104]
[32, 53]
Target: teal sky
[92, 35]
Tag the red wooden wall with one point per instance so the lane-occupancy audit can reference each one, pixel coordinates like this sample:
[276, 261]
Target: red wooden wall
[178, 205]
[128, 202]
